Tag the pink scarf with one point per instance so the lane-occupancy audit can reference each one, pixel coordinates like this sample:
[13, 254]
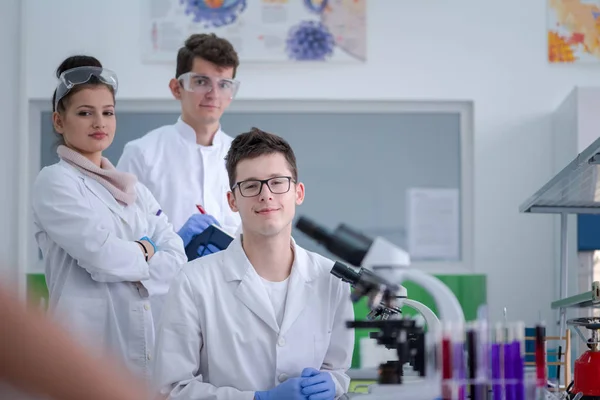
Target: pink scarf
[120, 184]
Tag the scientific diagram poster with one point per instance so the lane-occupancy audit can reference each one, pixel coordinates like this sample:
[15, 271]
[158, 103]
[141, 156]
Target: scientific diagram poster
[260, 30]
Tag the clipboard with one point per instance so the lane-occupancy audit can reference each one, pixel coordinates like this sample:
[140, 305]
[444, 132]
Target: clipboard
[211, 235]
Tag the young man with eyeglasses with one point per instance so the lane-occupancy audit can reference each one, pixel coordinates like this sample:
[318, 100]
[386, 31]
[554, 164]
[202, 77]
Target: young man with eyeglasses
[263, 319]
[183, 164]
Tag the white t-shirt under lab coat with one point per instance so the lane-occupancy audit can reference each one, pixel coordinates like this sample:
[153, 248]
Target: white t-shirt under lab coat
[277, 292]
[181, 173]
[220, 337]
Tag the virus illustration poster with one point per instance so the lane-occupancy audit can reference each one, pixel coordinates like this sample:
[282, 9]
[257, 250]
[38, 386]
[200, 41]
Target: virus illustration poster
[260, 30]
[573, 31]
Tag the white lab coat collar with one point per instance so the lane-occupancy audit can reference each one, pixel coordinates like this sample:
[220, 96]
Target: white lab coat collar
[251, 292]
[98, 190]
[241, 265]
[189, 134]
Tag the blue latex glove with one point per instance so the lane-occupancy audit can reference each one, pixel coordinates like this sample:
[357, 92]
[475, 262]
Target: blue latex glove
[206, 250]
[288, 390]
[195, 225]
[317, 385]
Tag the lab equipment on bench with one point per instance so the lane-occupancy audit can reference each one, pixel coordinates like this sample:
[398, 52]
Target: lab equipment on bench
[382, 297]
[586, 377]
[388, 261]
[454, 359]
[211, 236]
[382, 268]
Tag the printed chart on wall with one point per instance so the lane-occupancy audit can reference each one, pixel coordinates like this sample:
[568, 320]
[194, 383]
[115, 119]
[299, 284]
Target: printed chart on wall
[433, 217]
[573, 31]
[260, 30]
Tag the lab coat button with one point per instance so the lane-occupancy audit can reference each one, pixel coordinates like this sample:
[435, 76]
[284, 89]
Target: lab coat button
[281, 342]
[282, 377]
[146, 307]
[149, 357]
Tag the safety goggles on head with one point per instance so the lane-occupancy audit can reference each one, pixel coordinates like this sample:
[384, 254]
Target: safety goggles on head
[80, 75]
[202, 84]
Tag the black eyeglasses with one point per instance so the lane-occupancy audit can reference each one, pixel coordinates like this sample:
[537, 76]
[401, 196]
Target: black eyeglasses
[253, 187]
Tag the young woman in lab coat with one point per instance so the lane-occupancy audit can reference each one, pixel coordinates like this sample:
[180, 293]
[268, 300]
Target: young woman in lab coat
[109, 253]
[263, 319]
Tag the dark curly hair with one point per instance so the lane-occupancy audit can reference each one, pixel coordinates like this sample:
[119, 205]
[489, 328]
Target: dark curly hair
[209, 47]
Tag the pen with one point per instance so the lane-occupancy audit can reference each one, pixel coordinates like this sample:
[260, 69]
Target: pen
[158, 212]
[201, 209]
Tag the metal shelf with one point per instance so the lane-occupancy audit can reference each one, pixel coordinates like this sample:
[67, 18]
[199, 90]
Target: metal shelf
[582, 300]
[574, 190]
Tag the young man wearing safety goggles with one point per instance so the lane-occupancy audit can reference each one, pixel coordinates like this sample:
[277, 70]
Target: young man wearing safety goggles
[183, 164]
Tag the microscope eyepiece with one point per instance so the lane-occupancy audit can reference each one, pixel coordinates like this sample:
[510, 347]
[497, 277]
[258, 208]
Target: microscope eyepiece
[345, 273]
[344, 242]
[314, 231]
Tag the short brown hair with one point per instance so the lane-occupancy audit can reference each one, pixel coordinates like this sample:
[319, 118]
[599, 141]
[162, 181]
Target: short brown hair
[254, 144]
[209, 47]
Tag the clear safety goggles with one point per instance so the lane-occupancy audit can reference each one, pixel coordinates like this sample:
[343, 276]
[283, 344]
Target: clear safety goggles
[202, 84]
[80, 75]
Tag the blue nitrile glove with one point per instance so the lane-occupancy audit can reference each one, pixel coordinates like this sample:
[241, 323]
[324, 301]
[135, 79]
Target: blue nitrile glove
[206, 250]
[317, 385]
[289, 390]
[194, 226]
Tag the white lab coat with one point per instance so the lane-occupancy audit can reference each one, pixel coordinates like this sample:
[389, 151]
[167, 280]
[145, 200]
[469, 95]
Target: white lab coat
[181, 173]
[219, 338]
[91, 261]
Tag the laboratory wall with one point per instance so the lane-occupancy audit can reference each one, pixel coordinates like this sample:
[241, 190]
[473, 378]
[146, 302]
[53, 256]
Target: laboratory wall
[491, 53]
[11, 97]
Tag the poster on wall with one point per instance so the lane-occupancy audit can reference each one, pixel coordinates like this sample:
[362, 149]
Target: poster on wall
[573, 29]
[260, 30]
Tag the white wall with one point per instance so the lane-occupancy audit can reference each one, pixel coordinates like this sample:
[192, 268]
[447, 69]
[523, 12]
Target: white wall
[10, 97]
[492, 53]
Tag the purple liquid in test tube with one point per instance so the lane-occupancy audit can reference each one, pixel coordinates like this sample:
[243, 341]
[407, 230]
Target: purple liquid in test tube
[497, 363]
[509, 365]
[519, 363]
[458, 353]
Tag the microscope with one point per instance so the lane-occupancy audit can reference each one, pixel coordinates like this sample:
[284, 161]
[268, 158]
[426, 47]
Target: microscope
[382, 268]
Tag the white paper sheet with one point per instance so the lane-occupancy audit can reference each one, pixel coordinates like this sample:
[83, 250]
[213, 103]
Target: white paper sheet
[433, 217]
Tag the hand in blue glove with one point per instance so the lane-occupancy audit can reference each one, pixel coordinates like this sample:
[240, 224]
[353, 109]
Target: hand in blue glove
[317, 385]
[194, 226]
[206, 250]
[288, 390]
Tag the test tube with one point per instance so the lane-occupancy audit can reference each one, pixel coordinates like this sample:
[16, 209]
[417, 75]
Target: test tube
[540, 355]
[518, 348]
[509, 364]
[477, 387]
[497, 376]
[458, 355]
[446, 361]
